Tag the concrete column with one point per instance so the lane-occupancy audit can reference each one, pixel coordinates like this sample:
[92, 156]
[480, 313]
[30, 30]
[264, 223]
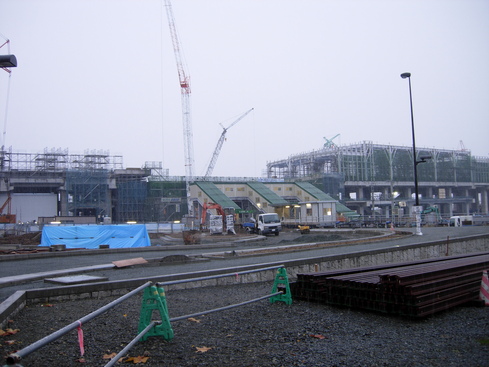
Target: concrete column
[63, 203]
[409, 193]
[360, 193]
[484, 202]
[448, 192]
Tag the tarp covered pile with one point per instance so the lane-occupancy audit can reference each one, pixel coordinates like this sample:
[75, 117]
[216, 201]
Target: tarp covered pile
[92, 236]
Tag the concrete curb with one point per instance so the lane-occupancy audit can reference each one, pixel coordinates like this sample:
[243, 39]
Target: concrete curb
[19, 279]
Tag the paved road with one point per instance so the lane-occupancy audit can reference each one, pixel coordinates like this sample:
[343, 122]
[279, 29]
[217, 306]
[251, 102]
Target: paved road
[16, 267]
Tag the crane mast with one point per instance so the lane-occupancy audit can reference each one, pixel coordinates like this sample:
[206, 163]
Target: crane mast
[184, 80]
[217, 150]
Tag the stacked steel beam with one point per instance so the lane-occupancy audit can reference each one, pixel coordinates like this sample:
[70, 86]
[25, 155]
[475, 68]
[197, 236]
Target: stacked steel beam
[415, 289]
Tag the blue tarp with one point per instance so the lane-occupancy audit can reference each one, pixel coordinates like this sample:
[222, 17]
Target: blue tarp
[91, 236]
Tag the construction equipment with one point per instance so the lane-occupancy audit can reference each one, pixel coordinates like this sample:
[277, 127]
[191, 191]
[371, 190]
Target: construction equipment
[304, 229]
[223, 221]
[433, 211]
[208, 206]
[217, 150]
[265, 223]
[9, 217]
[184, 80]
[329, 142]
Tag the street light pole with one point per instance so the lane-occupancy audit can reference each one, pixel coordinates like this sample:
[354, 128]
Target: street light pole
[417, 208]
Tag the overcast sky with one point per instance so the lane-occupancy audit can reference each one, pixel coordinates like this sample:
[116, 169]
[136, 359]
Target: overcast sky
[101, 75]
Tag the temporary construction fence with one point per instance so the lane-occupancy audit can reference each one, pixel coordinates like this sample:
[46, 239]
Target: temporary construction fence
[154, 298]
[415, 289]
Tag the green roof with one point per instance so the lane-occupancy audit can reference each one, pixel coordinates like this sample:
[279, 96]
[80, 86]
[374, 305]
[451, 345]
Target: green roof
[216, 195]
[322, 196]
[314, 191]
[272, 198]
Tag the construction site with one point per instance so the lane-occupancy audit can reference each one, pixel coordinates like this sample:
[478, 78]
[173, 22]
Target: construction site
[325, 187]
[364, 184]
[375, 179]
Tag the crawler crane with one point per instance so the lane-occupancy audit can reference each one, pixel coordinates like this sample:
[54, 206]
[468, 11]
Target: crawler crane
[217, 150]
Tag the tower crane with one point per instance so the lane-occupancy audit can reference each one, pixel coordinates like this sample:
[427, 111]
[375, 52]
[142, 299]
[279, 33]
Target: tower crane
[217, 150]
[329, 142]
[184, 80]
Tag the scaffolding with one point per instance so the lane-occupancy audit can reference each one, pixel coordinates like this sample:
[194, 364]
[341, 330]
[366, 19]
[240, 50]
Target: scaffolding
[87, 193]
[367, 176]
[367, 162]
[57, 160]
[129, 197]
[166, 200]
[80, 181]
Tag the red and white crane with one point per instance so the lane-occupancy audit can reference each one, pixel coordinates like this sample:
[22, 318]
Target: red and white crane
[184, 80]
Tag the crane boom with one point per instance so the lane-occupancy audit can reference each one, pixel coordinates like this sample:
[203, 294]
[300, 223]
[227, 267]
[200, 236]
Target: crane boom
[184, 80]
[217, 150]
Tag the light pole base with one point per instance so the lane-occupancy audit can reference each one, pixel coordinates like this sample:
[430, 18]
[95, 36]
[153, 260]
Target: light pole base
[417, 211]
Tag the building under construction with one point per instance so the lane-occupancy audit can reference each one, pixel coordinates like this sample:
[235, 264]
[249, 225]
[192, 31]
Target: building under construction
[366, 179]
[378, 179]
[58, 184]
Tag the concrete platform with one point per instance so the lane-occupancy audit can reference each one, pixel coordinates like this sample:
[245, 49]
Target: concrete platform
[76, 279]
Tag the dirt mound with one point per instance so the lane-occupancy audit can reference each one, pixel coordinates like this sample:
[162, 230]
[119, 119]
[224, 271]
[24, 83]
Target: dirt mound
[33, 238]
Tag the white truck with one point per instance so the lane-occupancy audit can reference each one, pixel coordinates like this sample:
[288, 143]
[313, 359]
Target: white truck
[264, 224]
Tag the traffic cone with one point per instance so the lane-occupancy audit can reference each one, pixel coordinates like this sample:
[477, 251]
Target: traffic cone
[484, 293]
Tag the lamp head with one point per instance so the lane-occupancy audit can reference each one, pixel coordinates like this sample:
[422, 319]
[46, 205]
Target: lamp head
[8, 61]
[405, 75]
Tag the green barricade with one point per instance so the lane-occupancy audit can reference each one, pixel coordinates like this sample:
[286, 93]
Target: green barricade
[154, 299]
[281, 283]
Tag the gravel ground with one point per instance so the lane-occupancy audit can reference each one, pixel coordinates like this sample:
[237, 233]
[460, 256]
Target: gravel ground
[257, 334]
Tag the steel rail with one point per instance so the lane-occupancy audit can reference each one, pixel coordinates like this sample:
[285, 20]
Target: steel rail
[416, 290]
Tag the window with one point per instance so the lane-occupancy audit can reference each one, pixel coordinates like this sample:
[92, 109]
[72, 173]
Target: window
[326, 211]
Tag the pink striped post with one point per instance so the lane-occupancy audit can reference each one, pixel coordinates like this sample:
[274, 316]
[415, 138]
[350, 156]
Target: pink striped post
[484, 293]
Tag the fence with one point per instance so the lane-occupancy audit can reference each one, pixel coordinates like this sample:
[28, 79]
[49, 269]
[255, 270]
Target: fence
[154, 299]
